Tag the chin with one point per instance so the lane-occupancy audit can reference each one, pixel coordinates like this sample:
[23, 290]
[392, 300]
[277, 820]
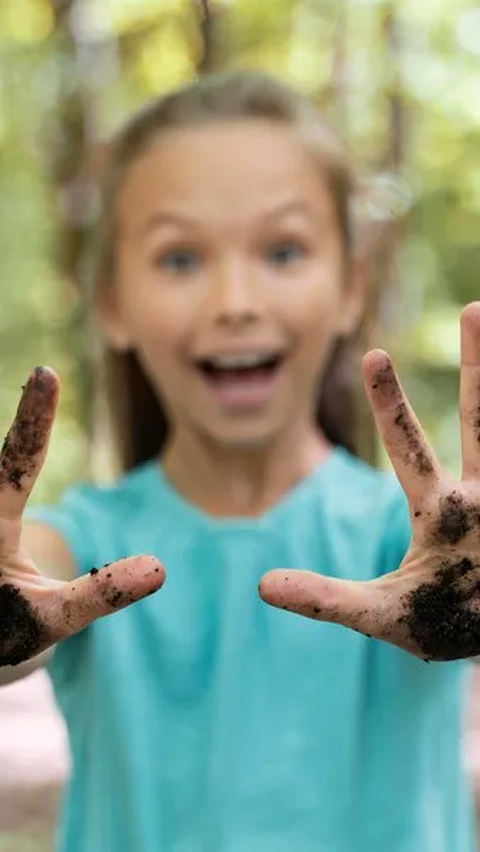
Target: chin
[244, 438]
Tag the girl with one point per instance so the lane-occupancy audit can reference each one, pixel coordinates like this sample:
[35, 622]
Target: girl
[201, 720]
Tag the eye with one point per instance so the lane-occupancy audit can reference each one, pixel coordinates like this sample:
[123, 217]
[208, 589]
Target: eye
[179, 261]
[285, 253]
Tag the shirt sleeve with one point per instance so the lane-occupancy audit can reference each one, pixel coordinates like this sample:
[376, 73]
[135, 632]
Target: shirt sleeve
[73, 518]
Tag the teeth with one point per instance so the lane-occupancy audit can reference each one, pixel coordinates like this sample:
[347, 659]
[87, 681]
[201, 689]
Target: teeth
[247, 359]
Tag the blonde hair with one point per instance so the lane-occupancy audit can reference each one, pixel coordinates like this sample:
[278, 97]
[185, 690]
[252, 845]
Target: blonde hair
[139, 422]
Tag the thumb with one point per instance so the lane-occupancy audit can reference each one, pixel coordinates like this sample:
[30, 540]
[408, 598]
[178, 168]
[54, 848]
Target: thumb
[347, 602]
[106, 590]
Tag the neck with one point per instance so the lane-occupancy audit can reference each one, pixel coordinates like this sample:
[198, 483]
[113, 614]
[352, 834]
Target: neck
[227, 482]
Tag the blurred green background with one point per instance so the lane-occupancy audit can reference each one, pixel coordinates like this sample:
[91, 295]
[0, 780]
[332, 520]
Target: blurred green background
[400, 79]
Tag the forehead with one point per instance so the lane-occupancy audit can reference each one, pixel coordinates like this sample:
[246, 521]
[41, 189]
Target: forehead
[224, 170]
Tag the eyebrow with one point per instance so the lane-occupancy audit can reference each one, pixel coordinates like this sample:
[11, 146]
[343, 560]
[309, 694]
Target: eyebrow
[170, 217]
[166, 217]
[287, 208]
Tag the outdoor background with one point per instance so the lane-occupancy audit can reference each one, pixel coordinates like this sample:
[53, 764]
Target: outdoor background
[400, 79]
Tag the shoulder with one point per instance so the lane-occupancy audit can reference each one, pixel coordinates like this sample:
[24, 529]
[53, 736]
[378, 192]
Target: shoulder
[123, 494]
[89, 516]
[365, 510]
[357, 489]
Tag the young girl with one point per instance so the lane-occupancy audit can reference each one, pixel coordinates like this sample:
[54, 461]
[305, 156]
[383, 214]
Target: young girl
[200, 719]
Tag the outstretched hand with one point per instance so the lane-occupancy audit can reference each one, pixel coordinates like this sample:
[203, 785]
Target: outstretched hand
[430, 606]
[36, 611]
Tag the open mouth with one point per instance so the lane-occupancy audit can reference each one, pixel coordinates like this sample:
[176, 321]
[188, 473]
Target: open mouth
[242, 379]
[219, 368]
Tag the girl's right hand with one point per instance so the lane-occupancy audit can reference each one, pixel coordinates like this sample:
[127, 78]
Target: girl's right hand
[36, 611]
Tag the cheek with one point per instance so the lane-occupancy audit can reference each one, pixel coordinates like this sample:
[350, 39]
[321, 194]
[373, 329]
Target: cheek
[158, 319]
[313, 308]
[159, 351]
[160, 341]
[158, 316]
[159, 334]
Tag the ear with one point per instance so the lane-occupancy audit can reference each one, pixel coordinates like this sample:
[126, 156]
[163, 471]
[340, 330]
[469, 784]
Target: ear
[110, 318]
[354, 297]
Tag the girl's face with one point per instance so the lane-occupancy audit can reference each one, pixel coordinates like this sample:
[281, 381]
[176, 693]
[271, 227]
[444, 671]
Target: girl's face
[230, 278]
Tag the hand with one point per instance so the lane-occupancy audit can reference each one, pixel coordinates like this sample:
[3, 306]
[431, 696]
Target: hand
[36, 611]
[430, 606]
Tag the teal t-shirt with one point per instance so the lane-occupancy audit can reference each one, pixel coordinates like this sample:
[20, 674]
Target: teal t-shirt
[202, 720]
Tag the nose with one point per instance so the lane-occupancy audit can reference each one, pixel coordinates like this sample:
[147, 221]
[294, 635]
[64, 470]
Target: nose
[234, 298]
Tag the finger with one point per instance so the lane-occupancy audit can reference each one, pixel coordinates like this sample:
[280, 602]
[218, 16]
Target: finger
[470, 389]
[105, 591]
[352, 604]
[32, 621]
[25, 446]
[414, 462]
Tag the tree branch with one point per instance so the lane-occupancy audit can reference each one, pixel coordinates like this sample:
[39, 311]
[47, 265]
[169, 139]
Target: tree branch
[207, 26]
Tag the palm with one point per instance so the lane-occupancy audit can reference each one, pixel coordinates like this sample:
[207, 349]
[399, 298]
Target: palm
[36, 611]
[430, 606]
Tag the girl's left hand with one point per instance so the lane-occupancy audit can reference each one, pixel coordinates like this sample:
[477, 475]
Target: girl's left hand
[430, 606]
